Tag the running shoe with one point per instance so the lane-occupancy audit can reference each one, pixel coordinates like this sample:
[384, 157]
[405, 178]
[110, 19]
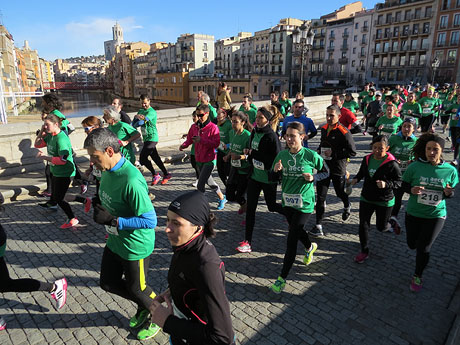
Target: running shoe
[156, 178]
[364, 133]
[48, 206]
[2, 324]
[87, 205]
[221, 204]
[308, 258]
[60, 292]
[83, 188]
[316, 231]
[70, 224]
[416, 284]
[361, 257]
[166, 178]
[45, 194]
[346, 213]
[244, 247]
[138, 320]
[242, 209]
[395, 225]
[278, 285]
[148, 332]
[243, 223]
[194, 184]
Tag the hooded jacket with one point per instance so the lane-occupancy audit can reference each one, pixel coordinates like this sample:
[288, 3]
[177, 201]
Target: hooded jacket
[269, 147]
[205, 150]
[388, 172]
[196, 280]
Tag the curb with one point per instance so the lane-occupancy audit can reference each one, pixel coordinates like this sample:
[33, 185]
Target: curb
[13, 194]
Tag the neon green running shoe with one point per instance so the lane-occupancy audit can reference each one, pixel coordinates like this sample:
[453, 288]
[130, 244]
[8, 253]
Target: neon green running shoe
[139, 319]
[148, 332]
[278, 285]
[308, 258]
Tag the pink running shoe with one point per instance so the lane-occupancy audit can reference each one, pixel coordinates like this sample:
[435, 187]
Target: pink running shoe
[60, 292]
[166, 179]
[87, 205]
[70, 224]
[2, 324]
[244, 247]
[156, 179]
[416, 284]
[361, 257]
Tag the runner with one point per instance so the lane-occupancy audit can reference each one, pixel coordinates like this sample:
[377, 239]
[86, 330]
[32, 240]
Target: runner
[146, 118]
[125, 133]
[58, 289]
[249, 108]
[197, 309]
[445, 116]
[350, 103]
[429, 181]
[223, 96]
[238, 178]
[429, 108]
[274, 98]
[370, 111]
[205, 99]
[347, 118]
[52, 105]
[298, 116]
[285, 101]
[62, 167]
[224, 123]
[264, 146]
[411, 109]
[205, 136]
[118, 104]
[381, 174]
[336, 147]
[192, 152]
[295, 166]
[389, 123]
[453, 111]
[123, 206]
[401, 145]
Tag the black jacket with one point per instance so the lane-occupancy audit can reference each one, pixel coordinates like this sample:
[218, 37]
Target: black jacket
[269, 146]
[341, 142]
[388, 171]
[374, 108]
[196, 280]
[125, 117]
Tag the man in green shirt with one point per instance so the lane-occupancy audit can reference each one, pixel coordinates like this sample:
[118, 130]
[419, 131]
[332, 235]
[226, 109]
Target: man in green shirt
[123, 206]
[212, 111]
[249, 109]
[429, 106]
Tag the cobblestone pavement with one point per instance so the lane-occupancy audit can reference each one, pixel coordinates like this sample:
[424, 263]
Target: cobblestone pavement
[332, 301]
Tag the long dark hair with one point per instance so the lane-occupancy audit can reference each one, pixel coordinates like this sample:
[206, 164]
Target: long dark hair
[52, 103]
[208, 228]
[419, 148]
[244, 118]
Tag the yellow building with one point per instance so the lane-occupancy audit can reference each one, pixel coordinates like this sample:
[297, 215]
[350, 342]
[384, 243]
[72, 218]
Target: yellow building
[172, 88]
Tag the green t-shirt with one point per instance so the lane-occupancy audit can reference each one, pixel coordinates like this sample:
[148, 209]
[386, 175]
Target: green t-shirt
[124, 193]
[390, 126]
[149, 128]
[212, 113]
[452, 111]
[260, 171]
[362, 95]
[251, 113]
[224, 131]
[59, 145]
[352, 106]
[428, 105]
[443, 96]
[64, 122]
[445, 105]
[434, 179]
[297, 192]
[124, 131]
[287, 104]
[401, 149]
[408, 109]
[366, 100]
[237, 144]
[372, 167]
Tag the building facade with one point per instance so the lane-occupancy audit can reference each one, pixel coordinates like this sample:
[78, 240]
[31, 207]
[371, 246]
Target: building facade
[117, 39]
[172, 87]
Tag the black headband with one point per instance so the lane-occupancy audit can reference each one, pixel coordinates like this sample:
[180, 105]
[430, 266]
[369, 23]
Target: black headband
[267, 114]
[192, 206]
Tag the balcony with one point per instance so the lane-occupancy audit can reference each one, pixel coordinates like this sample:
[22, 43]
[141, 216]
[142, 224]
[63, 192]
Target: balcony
[330, 49]
[332, 36]
[364, 29]
[277, 50]
[427, 46]
[361, 68]
[343, 61]
[218, 58]
[425, 32]
[378, 37]
[329, 61]
[345, 35]
[205, 60]
[363, 42]
[344, 47]
[362, 55]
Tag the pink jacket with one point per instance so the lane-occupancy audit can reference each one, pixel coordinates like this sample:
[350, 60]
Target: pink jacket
[205, 150]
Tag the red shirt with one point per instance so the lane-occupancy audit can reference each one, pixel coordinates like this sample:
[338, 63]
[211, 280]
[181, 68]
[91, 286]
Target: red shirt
[347, 118]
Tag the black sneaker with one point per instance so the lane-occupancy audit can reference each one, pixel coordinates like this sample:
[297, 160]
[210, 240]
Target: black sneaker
[48, 206]
[395, 225]
[346, 213]
[316, 231]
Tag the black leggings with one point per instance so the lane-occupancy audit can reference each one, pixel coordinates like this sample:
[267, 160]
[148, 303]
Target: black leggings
[296, 220]
[455, 134]
[254, 189]
[399, 193]
[421, 233]
[426, 122]
[134, 285]
[237, 184]
[59, 187]
[366, 210]
[149, 149]
[48, 176]
[193, 162]
[19, 285]
[321, 190]
[223, 168]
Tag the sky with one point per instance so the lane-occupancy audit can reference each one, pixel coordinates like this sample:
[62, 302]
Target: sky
[62, 29]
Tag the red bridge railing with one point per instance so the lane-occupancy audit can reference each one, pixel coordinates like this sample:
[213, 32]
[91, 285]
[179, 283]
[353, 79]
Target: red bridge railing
[65, 85]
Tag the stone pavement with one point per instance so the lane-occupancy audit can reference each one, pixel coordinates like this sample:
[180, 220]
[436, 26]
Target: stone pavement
[332, 301]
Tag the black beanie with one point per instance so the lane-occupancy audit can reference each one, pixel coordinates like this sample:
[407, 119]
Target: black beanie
[192, 206]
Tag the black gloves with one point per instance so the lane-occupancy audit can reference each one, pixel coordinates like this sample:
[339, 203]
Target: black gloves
[102, 216]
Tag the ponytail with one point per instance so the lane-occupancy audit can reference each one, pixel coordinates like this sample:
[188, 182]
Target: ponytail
[209, 226]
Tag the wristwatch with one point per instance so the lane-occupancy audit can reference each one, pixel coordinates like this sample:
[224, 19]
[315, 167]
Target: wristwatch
[114, 223]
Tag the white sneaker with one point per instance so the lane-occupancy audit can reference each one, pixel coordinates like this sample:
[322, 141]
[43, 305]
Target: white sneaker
[60, 294]
[2, 324]
[244, 247]
[194, 184]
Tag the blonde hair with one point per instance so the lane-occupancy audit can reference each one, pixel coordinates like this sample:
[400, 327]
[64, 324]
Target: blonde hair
[275, 120]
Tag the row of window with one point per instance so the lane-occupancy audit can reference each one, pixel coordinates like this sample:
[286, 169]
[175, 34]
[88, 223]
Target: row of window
[235, 89]
[388, 33]
[159, 92]
[402, 45]
[408, 15]
[454, 38]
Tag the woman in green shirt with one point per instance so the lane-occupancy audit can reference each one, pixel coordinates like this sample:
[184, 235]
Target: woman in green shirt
[295, 166]
[224, 124]
[429, 106]
[429, 180]
[389, 123]
[350, 103]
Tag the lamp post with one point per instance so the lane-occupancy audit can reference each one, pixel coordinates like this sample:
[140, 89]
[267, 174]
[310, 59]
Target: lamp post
[434, 66]
[303, 39]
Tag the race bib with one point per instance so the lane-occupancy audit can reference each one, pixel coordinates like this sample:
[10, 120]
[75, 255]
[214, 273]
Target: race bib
[293, 200]
[236, 163]
[323, 153]
[426, 110]
[143, 131]
[430, 197]
[112, 230]
[258, 165]
[404, 164]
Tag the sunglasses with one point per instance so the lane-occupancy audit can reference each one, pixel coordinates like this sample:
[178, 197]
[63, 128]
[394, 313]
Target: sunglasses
[201, 115]
[87, 129]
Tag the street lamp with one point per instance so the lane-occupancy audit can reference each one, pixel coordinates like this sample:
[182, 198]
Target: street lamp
[434, 65]
[303, 39]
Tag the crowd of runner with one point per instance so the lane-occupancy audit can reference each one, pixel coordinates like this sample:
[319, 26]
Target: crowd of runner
[254, 150]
